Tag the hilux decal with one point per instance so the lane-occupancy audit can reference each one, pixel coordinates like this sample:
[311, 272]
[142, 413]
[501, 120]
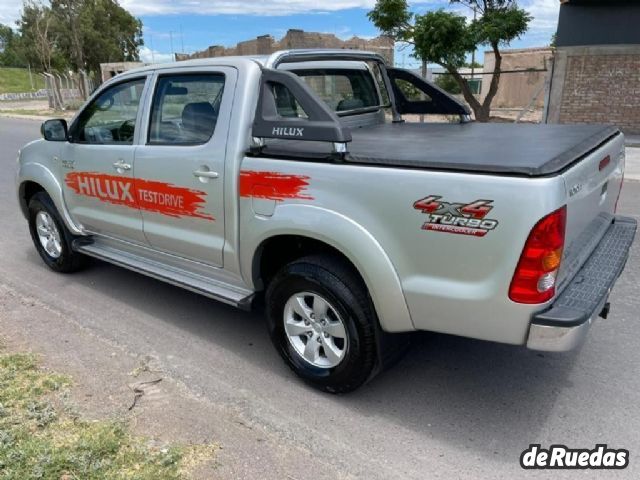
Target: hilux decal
[458, 218]
[273, 185]
[149, 195]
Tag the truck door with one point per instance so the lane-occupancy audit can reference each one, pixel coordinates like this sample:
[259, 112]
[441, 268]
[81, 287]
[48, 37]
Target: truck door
[97, 163]
[180, 169]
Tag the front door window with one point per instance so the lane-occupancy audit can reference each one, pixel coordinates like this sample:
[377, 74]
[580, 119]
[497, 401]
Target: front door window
[111, 118]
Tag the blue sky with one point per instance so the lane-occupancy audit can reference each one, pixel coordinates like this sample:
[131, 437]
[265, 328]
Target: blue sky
[226, 22]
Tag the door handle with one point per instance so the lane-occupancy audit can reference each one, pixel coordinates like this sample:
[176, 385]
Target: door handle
[206, 173]
[120, 165]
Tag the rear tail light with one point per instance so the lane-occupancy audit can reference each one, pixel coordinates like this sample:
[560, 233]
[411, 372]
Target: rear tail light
[534, 280]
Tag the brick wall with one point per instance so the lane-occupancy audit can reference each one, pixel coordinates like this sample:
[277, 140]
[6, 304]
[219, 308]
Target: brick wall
[602, 88]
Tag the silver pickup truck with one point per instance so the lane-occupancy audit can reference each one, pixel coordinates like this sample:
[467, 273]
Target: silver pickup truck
[293, 182]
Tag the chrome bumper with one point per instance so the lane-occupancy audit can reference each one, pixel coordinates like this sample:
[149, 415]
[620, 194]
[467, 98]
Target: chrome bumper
[564, 325]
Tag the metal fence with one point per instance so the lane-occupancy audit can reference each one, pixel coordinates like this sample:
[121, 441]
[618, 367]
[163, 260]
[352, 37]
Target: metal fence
[67, 90]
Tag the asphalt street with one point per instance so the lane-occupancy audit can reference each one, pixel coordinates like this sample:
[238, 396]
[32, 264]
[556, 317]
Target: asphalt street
[452, 408]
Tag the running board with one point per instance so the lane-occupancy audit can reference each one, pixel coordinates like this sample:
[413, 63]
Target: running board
[208, 287]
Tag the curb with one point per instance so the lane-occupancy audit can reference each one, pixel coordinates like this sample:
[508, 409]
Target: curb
[632, 141]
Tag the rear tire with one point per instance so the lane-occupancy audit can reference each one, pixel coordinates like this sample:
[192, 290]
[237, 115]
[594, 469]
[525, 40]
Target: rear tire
[323, 324]
[51, 237]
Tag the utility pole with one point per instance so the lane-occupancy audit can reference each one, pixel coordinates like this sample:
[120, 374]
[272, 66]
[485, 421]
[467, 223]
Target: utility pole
[473, 54]
[181, 39]
[30, 76]
[171, 40]
[153, 58]
[424, 75]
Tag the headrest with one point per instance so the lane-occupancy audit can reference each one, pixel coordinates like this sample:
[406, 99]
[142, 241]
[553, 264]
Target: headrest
[199, 118]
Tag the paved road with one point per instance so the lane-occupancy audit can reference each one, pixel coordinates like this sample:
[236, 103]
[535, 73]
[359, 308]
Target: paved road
[453, 408]
[633, 163]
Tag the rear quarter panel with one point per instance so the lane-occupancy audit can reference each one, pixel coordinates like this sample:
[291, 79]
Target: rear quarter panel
[451, 283]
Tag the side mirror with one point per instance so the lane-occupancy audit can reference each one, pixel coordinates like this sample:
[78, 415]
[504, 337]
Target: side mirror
[54, 130]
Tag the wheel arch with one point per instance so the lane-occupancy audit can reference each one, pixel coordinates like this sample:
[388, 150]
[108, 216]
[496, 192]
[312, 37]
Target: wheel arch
[33, 178]
[338, 235]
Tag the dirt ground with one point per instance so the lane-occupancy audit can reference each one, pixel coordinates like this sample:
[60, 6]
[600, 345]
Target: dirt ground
[105, 376]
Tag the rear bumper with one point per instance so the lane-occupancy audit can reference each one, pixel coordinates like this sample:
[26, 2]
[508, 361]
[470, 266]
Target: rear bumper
[564, 325]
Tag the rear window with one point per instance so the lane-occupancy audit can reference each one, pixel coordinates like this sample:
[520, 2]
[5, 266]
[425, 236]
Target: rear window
[185, 109]
[343, 90]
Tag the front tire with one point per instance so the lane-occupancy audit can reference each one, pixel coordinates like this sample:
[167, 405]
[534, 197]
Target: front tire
[51, 237]
[322, 322]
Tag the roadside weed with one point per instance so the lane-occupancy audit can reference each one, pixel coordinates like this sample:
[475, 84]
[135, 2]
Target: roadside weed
[40, 440]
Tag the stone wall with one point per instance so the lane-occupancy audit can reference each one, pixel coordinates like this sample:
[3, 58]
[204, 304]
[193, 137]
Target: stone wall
[42, 93]
[266, 44]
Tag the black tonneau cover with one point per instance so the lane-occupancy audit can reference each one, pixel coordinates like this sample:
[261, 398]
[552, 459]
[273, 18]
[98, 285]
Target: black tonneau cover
[516, 149]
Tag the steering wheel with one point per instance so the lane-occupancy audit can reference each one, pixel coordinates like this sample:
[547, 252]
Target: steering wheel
[126, 130]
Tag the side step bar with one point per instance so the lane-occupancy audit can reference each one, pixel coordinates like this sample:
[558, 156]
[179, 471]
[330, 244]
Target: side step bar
[208, 287]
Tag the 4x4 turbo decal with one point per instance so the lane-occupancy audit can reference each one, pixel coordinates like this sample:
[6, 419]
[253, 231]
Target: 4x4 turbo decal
[458, 218]
[159, 197]
[273, 185]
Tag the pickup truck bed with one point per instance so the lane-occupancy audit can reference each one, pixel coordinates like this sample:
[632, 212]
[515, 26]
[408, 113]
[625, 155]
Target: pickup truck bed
[522, 149]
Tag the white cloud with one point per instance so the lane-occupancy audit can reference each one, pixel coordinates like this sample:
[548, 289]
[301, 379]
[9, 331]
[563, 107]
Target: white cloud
[154, 56]
[10, 11]
[545, 14]
[239, 7]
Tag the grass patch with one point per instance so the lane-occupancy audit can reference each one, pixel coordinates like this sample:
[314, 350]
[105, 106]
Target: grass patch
[16, 80]
[40, 440]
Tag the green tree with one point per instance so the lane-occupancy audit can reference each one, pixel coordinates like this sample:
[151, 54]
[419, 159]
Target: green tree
[95, 32]
[448, 84]
[77, 34]
[38, 39]
[9, 56]
[445, 38]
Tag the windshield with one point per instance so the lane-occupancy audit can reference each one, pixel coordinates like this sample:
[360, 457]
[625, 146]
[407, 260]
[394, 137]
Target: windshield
[343, 90]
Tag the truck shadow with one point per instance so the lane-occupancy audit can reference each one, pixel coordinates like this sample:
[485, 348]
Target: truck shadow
[492, 399]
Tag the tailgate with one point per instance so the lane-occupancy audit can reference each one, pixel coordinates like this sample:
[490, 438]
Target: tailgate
[592, 187]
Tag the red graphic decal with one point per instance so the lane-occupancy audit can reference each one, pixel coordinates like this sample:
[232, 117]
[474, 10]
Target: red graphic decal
[273, 185]
[149, 195]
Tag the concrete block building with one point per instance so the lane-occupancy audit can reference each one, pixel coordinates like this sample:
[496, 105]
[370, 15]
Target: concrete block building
[523, 82]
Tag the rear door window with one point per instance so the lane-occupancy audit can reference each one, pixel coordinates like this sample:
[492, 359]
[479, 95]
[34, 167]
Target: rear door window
[342, 89]
[185, 109]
